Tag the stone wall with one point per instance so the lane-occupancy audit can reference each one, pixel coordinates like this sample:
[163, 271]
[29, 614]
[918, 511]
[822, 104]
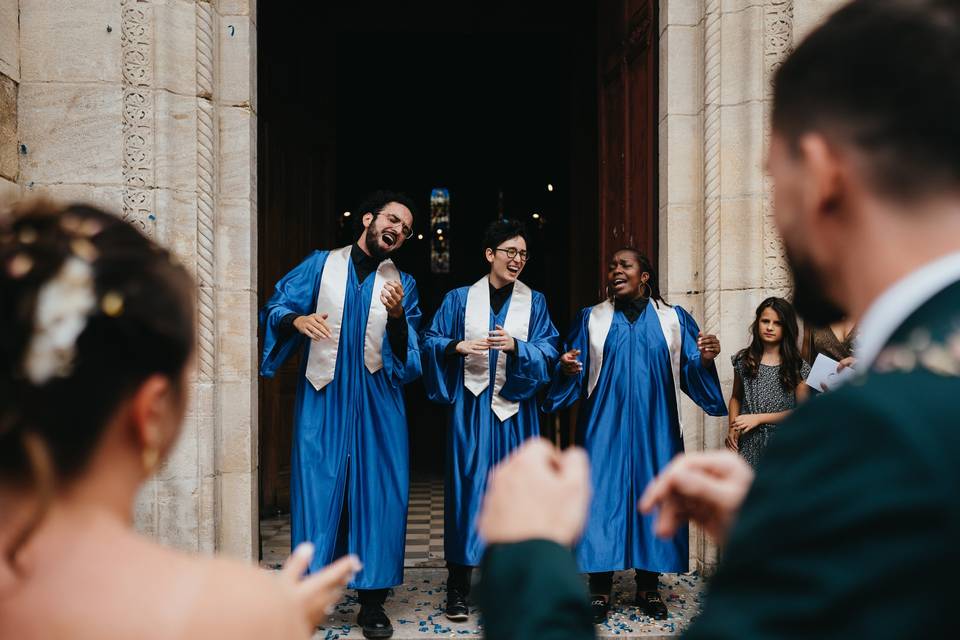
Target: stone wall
[719, 251]
[9, 88]
[148, 107]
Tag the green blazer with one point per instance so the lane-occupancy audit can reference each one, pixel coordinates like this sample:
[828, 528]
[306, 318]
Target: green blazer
[852, 526]
[532, 590]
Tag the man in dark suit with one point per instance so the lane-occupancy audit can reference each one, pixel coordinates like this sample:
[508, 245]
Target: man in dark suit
[850, 527]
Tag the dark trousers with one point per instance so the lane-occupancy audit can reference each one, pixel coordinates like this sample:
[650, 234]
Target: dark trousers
[601, 584]
[372, 597]
[458, 578]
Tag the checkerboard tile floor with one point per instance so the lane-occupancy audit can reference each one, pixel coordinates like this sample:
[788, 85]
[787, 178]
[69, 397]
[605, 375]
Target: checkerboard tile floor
[424, 547]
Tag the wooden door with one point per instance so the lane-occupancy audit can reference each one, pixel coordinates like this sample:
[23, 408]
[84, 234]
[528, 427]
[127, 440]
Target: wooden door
[295, 215]
[627, 105]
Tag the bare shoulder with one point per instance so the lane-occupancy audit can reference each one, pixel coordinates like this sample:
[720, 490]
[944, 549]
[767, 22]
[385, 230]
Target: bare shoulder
[242, 601]
[222, 597]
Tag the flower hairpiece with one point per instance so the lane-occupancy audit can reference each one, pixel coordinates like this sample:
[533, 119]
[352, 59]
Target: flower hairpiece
[63, 306]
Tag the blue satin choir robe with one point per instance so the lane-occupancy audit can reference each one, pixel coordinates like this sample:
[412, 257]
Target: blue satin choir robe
[350, 439]
[476, 438]
[630, 429]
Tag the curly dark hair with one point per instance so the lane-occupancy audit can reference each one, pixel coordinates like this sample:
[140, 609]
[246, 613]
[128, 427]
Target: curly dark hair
[376, 201]
[646, 266]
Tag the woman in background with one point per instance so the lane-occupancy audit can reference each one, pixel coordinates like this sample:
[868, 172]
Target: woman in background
[768, 379]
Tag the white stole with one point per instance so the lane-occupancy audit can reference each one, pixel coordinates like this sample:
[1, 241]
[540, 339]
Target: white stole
[598, 327]
[322, 359]
[476, 326]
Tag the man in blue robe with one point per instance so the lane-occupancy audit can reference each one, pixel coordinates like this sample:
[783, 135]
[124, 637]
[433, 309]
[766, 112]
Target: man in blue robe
[490, 347]
[640, 353]
[354, 318]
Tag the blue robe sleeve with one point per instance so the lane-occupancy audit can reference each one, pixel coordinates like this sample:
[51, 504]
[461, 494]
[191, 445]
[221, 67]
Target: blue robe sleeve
[698, 379]
[398, 371]
[565, 390]
[442, 374]
[530, 366]
[295, 293]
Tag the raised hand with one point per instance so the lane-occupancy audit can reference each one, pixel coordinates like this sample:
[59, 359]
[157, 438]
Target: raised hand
[318, 592]
[539, 492]
[569, 363]
[709, 346]
[314, 326]
[392, 298]
[706, 487]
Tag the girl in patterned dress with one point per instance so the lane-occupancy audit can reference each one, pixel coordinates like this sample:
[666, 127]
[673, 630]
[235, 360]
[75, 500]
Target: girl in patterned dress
[768, 379]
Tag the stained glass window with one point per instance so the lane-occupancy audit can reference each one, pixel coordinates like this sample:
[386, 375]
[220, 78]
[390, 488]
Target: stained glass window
[439, 231]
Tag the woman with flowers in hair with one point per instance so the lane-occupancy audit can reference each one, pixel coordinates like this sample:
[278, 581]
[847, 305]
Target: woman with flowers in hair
[98, 333]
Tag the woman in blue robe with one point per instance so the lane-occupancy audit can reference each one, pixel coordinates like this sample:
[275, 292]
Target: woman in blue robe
[349, 476]
[628, 421]
[487, 418]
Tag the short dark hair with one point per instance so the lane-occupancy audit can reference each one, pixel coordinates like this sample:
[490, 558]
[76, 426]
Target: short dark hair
[499, 231]
[375, 202]
[881, 76]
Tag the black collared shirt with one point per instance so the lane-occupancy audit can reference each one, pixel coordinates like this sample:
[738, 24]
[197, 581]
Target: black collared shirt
[364, 265]
[631, 308]
[498, 298]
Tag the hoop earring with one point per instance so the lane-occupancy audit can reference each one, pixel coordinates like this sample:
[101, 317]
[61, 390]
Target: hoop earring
[649, 291]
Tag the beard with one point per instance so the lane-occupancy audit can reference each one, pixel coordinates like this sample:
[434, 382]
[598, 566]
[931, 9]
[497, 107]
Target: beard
[373, 244]
[808, 298]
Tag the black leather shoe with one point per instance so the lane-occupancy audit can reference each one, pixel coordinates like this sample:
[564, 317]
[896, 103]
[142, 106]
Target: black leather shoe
[652, 604]
[374, 621]
[457, 609]
[600, 607]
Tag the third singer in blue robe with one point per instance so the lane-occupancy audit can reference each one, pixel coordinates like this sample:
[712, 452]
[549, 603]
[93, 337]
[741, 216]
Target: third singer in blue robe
[477, 440]
[630, 428]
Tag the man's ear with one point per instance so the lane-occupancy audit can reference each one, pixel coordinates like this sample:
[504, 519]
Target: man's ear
[489, 255]
[367, 219]
[826, 172]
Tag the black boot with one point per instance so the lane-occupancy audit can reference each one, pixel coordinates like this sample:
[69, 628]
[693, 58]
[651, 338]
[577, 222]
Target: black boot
[458, 588]
[648, 595]
[372, 618]
[601, 590]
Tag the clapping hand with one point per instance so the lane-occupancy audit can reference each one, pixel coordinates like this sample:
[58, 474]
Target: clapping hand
[569, 363]
[500, 340]
[707, 488]
[392, 298]
[314, 326]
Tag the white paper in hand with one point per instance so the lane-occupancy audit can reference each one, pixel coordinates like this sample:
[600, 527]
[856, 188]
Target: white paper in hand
[824, 375]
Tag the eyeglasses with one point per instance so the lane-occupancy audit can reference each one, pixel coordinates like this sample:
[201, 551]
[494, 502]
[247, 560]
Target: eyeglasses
[394, 221]
[513, 253]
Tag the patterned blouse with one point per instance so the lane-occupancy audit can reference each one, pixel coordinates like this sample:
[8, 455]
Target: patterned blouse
[763, 394]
